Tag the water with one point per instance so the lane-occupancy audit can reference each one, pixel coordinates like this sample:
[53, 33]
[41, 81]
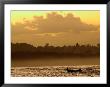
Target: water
[55, 61]
[56, 71]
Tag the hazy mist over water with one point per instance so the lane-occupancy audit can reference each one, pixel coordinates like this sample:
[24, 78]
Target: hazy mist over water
[55, 62]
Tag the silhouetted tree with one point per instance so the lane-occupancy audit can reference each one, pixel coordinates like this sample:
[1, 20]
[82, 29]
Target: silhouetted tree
[24, 49]
[77, 45]
[47, 44]
[98, 45]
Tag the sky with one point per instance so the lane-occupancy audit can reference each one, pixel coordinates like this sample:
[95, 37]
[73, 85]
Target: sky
[57, 28]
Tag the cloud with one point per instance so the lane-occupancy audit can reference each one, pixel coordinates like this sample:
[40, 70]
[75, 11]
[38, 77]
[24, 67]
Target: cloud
[53, 23]
[55, 29]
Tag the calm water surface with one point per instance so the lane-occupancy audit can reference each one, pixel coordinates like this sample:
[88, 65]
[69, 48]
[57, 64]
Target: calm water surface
[55, 61]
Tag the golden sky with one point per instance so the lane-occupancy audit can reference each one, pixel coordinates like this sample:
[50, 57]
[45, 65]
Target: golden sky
[55, 27]
[90, 17]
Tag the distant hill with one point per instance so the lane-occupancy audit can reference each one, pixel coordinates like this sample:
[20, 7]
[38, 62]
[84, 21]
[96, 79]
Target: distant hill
[25, 50]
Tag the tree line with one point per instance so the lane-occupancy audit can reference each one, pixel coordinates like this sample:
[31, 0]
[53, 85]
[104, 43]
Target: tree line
[77, 50]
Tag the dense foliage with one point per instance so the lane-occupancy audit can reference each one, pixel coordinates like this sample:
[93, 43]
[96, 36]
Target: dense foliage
[27, 50]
